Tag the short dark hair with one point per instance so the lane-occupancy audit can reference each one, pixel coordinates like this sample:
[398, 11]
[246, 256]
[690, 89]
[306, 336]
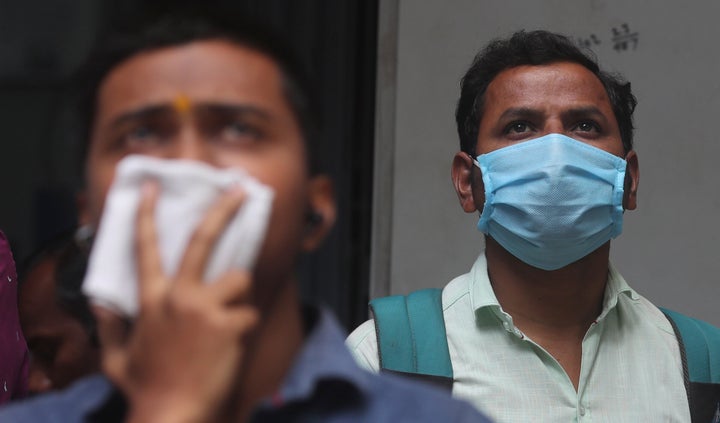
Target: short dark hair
[534, 48]
[155, 31]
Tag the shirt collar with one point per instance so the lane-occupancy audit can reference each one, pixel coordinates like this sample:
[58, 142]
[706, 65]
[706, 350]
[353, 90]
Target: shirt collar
[323, 358]
[615, 287]
[483, 297]
[481, 292]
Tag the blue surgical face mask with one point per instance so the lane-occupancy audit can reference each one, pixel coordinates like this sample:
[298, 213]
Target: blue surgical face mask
[552, 200]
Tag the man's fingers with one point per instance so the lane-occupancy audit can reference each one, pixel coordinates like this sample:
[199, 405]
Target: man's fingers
[147, 250]
[113, 333]
[243, 319]
[233, 287]
[200, 246]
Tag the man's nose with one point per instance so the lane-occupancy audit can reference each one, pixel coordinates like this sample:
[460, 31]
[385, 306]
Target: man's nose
[190, 145]
[554, 126]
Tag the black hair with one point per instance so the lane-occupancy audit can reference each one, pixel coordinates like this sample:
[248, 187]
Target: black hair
[157, 30]
[534, 48]
[71, 258]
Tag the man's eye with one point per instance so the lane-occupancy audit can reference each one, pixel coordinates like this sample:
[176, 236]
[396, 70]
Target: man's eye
[239, 130]
[141, 132]
[43, 351]
[142, 137]
[518, 128]
[587, 127]
[139, 136]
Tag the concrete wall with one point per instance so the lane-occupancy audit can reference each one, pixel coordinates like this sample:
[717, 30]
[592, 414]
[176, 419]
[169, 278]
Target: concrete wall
[668, 251]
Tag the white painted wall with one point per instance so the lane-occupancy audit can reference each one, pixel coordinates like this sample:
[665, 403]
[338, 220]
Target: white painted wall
[669, 249]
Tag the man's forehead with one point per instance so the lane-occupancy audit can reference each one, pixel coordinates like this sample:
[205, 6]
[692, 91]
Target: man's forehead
[201, 71]
[538, 85]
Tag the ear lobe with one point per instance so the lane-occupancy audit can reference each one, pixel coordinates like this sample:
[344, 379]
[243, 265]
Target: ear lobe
[462, 175]
[632, 179]
[322, 205]
[82, 208]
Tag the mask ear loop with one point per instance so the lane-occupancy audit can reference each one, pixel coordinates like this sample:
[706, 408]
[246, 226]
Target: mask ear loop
[477, 164]
[487, 207]
[473, 159]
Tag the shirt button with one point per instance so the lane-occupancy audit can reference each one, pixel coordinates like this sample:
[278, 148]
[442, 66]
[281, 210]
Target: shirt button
[581, 410]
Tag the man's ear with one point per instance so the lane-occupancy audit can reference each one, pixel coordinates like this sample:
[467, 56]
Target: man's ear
[83, 217]
[632, 178]
[462, 175]
[322, 212]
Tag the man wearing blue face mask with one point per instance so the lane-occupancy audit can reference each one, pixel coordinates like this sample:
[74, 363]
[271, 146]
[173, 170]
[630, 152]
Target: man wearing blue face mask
[543, 328]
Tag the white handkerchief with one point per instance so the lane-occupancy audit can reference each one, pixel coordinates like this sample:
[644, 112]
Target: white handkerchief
[187, 190]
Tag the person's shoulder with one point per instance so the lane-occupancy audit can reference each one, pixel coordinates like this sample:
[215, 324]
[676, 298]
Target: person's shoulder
[397, 399]
[362, 343]
[668, 320]
[361, 334]
[69, 405]
[455, 290]
[691, 326]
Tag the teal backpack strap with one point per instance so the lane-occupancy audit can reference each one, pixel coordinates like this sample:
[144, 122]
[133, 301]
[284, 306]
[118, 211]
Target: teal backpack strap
[411, 336]
[700, 352]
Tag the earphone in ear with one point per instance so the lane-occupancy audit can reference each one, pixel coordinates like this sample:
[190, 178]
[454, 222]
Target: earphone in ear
[313, 217]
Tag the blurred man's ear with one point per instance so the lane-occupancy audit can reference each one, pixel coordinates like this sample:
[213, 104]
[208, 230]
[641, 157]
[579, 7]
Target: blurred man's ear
[85, 228]
[321, 213]
[83, 216]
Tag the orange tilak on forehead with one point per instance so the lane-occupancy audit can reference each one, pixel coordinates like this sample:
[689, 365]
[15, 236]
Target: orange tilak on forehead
[181, 104]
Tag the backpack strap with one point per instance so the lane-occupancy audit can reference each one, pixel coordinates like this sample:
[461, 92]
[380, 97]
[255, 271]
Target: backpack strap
[700, 351]
[411, 336]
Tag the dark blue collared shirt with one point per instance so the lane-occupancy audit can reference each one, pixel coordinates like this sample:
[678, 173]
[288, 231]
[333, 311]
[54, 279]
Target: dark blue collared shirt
[324, 385]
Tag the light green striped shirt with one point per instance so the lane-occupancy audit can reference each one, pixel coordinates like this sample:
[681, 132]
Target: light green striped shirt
[631, 367]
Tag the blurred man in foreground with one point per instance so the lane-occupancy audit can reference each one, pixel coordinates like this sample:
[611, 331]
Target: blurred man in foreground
[241, 347]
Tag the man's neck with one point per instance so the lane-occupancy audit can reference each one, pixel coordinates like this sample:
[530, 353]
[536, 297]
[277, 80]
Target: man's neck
[554, 308]
[271, 351]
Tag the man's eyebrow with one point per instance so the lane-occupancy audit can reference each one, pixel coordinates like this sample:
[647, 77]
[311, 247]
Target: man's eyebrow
[168, 109]
[141, 113]
[520, 113]
[530, 113]
[233, 109]
[585, 111]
